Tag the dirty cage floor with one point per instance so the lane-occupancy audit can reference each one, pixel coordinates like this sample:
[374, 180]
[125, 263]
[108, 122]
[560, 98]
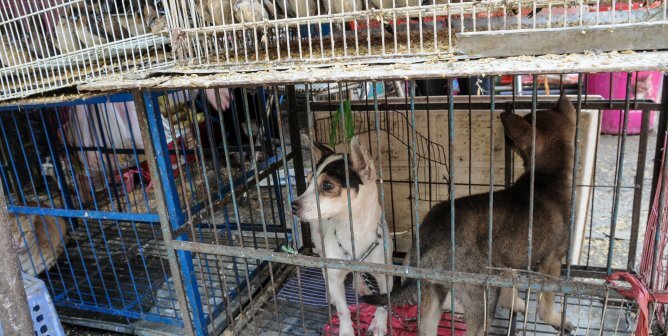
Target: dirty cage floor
[121, 268]
[309, 318]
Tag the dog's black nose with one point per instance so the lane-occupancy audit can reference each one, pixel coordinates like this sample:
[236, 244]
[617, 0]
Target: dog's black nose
[296, 207]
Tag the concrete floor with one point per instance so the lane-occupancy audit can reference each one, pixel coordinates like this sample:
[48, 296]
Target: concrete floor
[598, 233]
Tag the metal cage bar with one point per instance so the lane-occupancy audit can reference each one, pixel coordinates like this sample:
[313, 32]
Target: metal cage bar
[226, 164]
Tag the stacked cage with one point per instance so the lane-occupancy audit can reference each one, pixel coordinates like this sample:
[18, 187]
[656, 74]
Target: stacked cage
[168, 198]
[87, 219]
[54, 44]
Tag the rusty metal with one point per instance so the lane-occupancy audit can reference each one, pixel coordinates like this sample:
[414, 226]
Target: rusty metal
[638, 186]
[239, 188]
[440, 104]
[662, 127]
[532, 281]
[165, 225]
[405, 68]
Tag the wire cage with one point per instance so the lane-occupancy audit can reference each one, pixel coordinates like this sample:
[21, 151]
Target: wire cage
[168, 208]
[421, 163]
[133, 206]
[253, 35]
[60, 44]
[86, 215]
[62, 172]
[48, 45]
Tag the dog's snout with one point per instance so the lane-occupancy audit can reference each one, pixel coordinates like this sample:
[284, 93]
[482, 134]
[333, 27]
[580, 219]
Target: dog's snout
[296, 207]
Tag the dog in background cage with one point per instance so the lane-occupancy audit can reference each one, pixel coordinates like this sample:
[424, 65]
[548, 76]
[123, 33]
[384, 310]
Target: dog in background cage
[554, 134]
[336, 177]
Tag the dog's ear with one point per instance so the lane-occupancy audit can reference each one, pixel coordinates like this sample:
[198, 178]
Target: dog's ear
[361, 161]
[518, 129]
[320, 151]
[565, 106]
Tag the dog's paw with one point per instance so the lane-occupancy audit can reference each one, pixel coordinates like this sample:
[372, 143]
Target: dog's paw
[554, 320]
[375, 330]
[518, 306]
[569, 328]
[346, 329]
[509, 299]
[378, 327]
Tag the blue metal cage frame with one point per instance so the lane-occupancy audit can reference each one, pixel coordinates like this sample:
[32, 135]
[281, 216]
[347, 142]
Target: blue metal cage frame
[110, 287]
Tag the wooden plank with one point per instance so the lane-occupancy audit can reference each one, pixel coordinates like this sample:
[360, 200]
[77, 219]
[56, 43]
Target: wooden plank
[637, 36]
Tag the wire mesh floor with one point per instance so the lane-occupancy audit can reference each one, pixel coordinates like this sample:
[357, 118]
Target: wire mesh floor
[293, 318]
[121, 268]
[112, 267]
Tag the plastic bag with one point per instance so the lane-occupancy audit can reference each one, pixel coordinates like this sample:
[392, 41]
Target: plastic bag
[96, 129]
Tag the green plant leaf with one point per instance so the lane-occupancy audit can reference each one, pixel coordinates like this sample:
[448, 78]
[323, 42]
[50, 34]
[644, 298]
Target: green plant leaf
[334, 128]
[348, 124]
[348, 121]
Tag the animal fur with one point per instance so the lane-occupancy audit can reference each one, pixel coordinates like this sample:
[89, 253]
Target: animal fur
[331, 206]
[40, 241]
[215, 12]
[345, 6]
[552, 186]
[250, 11]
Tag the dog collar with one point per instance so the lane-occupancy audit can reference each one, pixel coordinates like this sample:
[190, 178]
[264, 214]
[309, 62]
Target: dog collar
[366, 252]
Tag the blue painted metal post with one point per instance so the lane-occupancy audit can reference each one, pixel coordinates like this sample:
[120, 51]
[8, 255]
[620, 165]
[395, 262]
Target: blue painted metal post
[169, 209]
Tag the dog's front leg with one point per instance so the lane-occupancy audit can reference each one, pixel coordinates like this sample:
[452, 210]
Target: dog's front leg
[552, 267]
[337, 296]
[509, 297]
[384, 283]
[479, 306]
[378, 326]
[431, 300]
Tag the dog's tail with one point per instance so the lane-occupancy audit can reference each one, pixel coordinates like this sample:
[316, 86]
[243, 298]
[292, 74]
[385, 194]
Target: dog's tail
[404, 295]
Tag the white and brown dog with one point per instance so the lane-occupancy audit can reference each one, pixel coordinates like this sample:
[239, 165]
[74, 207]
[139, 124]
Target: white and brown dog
[328, 210]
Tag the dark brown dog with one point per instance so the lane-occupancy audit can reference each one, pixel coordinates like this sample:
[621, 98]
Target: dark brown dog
[552, 186]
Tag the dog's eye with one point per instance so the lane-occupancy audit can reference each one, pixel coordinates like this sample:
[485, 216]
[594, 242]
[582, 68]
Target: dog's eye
[326, 186]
